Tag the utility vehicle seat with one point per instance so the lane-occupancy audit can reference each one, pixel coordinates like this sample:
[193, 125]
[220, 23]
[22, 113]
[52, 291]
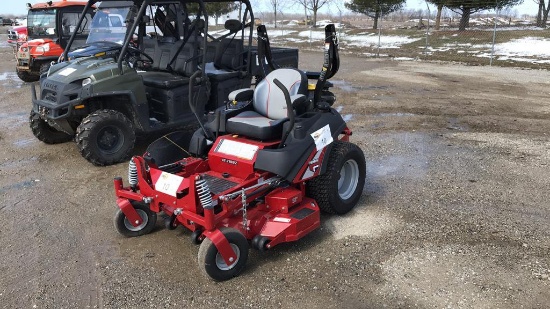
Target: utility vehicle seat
[265, 121]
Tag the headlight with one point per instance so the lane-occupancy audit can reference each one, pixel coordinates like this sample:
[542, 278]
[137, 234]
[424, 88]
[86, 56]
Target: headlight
[43, 48]
[86, 82]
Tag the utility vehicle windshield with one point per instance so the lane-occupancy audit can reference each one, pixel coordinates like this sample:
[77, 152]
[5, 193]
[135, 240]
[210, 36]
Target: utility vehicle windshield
[110, 24]
[41, 22]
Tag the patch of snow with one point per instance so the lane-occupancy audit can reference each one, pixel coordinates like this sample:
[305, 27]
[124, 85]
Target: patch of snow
[528, 46]
[523, 59]
[386, 41]
[403, 59]
[314, 35]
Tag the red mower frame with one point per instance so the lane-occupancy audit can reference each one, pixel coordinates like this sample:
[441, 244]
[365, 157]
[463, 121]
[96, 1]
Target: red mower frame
[227, 202]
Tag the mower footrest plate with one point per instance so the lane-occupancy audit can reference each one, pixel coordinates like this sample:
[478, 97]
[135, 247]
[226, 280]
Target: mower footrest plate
[218, 185]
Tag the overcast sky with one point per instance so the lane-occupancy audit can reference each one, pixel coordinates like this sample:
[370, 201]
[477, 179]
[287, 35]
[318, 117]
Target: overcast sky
[19, 8]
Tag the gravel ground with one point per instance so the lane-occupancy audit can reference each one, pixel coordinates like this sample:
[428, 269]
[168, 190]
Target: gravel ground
[455, 209]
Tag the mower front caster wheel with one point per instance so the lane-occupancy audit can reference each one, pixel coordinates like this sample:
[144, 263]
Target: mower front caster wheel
[124, 227]
[211, 261]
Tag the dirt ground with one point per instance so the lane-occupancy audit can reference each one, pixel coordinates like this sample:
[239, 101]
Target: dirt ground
[455, 211]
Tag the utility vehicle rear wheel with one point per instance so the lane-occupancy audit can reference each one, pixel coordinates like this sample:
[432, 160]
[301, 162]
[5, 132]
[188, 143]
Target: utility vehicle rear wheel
[27, 77]
[211, 261]
[105, 137]
[46, 133]
[124, 227]
[339, 188]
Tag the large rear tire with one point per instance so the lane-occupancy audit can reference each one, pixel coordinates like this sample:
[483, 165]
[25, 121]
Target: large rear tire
[211, 261]
[105, 137]
[46, 133]
[338, 190]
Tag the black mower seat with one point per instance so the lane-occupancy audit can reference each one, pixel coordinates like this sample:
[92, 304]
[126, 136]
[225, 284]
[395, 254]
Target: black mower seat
[266, 121]
[253, 124]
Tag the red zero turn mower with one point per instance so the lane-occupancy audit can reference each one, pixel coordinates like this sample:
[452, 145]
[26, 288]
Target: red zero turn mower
[257, 174]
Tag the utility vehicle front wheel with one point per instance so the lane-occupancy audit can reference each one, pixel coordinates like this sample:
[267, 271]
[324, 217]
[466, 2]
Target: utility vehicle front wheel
[44, 67]
[340, 187]
[27, 77]
[46, 133]
[211, 261]
[105, 137]
[124, 227]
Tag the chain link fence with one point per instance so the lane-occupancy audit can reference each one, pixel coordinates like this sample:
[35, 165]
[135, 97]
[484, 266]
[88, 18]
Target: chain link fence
[491, 37]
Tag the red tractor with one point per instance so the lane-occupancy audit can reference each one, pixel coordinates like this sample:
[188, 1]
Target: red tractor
[49, 27]
[257, 174]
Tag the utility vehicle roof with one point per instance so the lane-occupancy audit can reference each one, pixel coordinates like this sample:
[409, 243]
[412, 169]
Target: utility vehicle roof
[139, 2]
[114, 4]
[58, 4]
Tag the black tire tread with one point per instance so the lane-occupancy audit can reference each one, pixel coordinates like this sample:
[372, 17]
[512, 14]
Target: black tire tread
[27, 77]
[207, 246]
[319, 188]
[46, 133]
[84, 130]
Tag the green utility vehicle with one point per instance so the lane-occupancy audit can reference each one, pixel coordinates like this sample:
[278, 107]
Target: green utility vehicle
[167, 59]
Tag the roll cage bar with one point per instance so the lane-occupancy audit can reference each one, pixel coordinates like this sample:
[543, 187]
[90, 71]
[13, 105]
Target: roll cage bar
[143, 4]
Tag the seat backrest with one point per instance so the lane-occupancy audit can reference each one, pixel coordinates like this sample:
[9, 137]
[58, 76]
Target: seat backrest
[187, 60]
[164, 50]
[229, 54]
[269, 100]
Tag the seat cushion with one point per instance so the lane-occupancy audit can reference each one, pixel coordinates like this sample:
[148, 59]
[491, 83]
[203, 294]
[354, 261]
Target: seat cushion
[254, 125]
[220, 75]
[163, 80]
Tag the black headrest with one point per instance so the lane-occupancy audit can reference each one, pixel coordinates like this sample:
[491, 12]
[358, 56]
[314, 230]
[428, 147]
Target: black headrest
[233, 25]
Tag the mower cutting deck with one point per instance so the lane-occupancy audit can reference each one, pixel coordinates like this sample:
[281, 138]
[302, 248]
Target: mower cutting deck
[256, 174]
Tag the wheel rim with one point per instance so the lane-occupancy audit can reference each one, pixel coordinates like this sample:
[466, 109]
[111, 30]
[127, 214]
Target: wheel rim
[220, 262]
[144, 219]
[110, 139]
[349, 178]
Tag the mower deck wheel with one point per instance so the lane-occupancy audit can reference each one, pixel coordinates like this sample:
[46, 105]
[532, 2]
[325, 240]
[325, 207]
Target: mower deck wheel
[124, 227]
[211, 261]
[339, 188]
[196, 237]
[170, 222]
[260, 242]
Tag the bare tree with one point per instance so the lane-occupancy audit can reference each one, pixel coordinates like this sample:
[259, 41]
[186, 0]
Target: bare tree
[277, 6]
[542, 15]
[314, 6]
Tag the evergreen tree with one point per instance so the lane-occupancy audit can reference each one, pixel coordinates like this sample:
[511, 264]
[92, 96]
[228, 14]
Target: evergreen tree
[375, 8]
[468, 7]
